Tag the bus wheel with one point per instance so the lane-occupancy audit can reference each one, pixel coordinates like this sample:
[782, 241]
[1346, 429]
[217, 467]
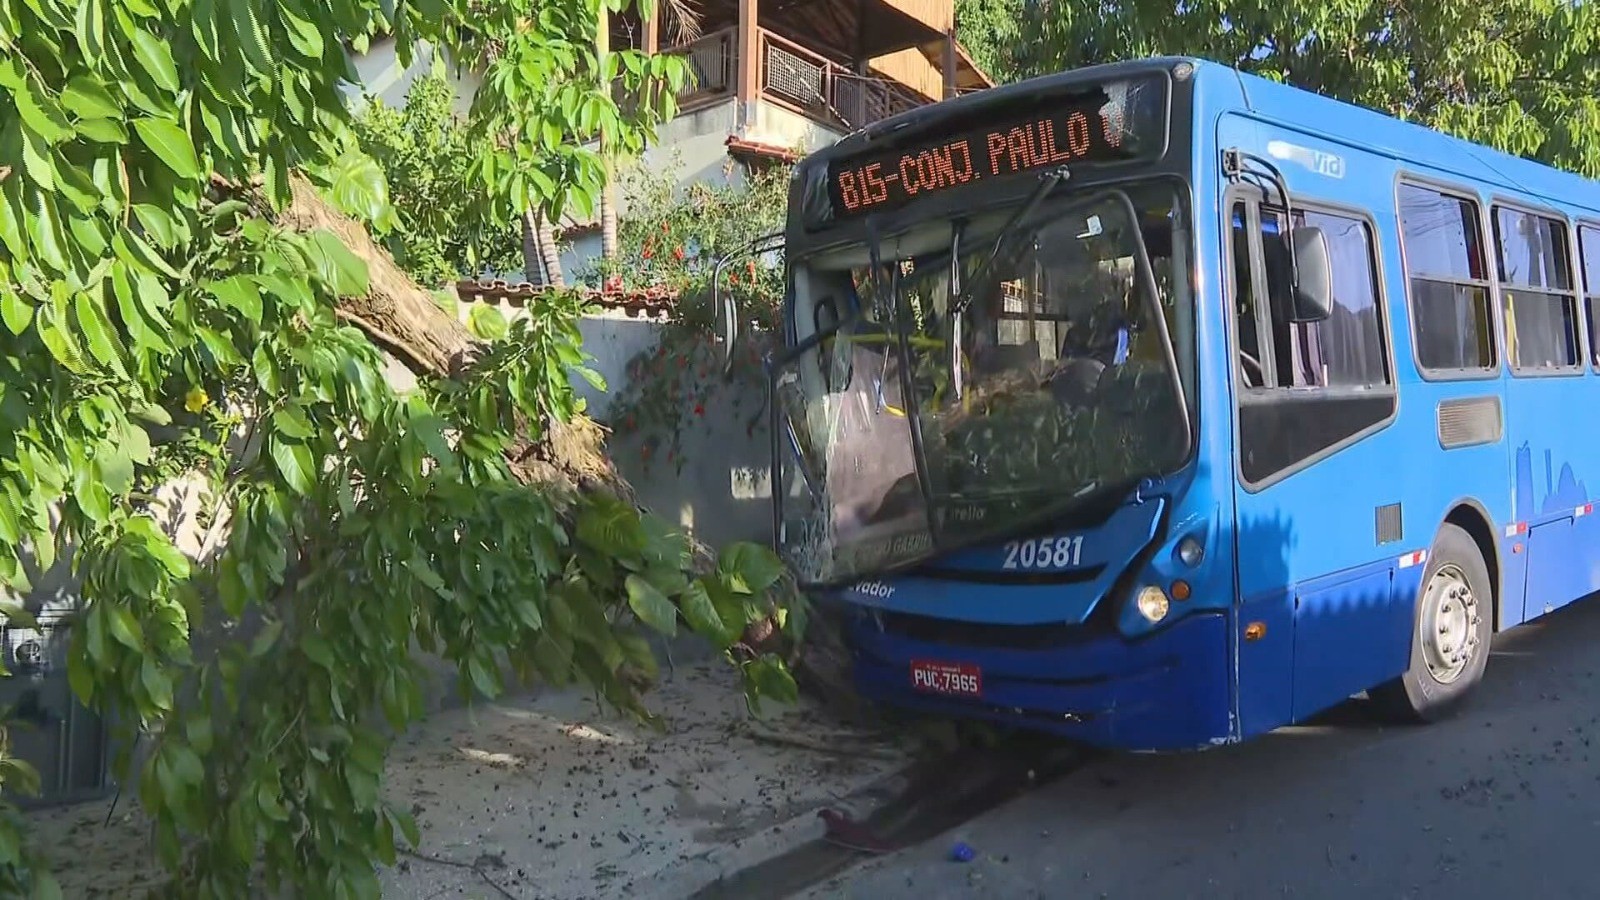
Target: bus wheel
[1453, 626]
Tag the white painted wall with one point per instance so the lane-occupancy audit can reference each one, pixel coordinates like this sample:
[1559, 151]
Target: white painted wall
[383, 77]
[722, 492]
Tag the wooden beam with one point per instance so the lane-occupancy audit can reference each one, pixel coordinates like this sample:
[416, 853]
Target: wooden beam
[650, 41]
[749, 55]
[950, 64]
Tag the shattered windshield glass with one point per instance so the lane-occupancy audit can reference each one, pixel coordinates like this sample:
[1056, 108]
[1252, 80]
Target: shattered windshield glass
[1065, 383]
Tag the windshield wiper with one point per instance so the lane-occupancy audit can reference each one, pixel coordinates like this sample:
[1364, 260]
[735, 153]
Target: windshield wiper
[1048, 182]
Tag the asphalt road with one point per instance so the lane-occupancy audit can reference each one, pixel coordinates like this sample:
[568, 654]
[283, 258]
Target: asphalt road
[1501, 802]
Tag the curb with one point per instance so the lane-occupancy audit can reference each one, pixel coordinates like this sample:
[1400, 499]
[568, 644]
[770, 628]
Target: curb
[687, 877]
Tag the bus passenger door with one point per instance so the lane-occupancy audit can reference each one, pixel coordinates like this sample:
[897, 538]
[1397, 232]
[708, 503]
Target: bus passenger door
[1313, 399]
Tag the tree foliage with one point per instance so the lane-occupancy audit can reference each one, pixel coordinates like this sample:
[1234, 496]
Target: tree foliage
[675, 241]
[178, 299]
[1515, 74]
[441, 232]
[991, 31]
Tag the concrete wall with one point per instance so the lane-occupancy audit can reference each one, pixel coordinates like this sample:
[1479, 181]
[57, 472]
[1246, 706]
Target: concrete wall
[383, 76]
[722, 490]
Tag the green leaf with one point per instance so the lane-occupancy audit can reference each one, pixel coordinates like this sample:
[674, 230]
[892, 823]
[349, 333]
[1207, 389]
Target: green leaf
[17, 311]
[316, 649]
[41, 114]
[266, 639]
[340, 269]
[304, 36]
[266, 370]
[358, 187]
[240, 293]
[153, 299]
[46, 233]
[91, 495]
[58, 339]
[701, 614]
[17, 616]
[651, 606]
[483, 677]
[157, 684]
[756, 568]
[98, 331]
[123, 627]
[152, 414]
[158, 223]
[136, 443]
[407, 826]
[527, 610]
[80, 677]
[105, 131]
[114, 468]
[37, 160]
[486, 322]
[154, 57]
[271, 804]
[252, 39]
[295, 461]
[771, 678]
[169, 143]
[87, 98]
[291, 422]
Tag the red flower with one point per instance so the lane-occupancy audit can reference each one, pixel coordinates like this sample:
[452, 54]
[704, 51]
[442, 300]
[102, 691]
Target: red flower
[648, 252]
[751, 268]
[699, 410]
[666, 228]
[677, 253]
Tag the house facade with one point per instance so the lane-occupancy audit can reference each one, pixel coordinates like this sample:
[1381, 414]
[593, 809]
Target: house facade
[772, 79]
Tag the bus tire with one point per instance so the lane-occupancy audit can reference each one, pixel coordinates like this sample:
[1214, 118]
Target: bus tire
[1452, 627]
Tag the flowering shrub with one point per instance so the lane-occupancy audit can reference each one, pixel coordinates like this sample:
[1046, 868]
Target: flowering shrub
[676, 243]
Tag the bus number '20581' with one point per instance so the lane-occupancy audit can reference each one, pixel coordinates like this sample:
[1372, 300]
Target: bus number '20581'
[1044, 553]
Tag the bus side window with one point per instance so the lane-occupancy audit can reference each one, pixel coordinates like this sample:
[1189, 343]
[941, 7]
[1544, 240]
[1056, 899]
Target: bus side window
[1328, 382]
[1347, 349]
[1244, 301]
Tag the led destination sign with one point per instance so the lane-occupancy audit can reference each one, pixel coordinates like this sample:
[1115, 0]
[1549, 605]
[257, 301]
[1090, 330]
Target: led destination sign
[1120, 123]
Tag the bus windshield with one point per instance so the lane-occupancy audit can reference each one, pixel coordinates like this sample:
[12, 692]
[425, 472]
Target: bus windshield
[969, 379]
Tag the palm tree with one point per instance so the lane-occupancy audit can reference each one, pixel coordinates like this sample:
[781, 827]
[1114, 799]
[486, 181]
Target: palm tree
[685, 23]
[541, 258]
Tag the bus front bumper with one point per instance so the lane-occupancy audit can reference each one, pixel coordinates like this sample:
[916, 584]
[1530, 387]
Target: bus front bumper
[1168, 691]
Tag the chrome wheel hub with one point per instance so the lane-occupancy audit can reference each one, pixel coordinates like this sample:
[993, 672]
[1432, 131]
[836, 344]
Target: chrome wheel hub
[1450, 618]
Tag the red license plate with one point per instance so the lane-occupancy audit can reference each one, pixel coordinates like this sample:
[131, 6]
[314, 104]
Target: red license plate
[963, 679]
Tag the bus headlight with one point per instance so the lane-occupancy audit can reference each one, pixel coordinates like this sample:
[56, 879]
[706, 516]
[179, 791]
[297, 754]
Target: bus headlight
[1191, 552]
[1153, 604]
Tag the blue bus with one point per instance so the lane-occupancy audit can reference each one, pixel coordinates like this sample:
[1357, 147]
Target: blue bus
[1159, 405]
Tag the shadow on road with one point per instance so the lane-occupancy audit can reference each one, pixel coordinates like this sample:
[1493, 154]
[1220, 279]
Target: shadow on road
[1502, 800]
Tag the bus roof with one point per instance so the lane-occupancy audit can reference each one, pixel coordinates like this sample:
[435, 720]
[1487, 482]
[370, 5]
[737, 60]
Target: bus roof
[1416, 146]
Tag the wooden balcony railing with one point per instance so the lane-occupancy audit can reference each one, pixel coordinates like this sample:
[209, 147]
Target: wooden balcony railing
[792, 76]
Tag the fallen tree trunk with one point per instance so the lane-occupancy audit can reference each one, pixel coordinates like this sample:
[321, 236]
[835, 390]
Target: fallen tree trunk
[401, 317]
[569, 457]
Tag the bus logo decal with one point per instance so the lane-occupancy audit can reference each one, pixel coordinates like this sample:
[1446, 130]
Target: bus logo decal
[1326, 164]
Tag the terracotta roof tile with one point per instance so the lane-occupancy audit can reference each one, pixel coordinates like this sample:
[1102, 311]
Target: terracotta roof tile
[651, 302]
[738, 145]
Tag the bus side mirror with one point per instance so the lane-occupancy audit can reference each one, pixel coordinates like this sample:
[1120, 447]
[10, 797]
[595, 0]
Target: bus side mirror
[1313, 295]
